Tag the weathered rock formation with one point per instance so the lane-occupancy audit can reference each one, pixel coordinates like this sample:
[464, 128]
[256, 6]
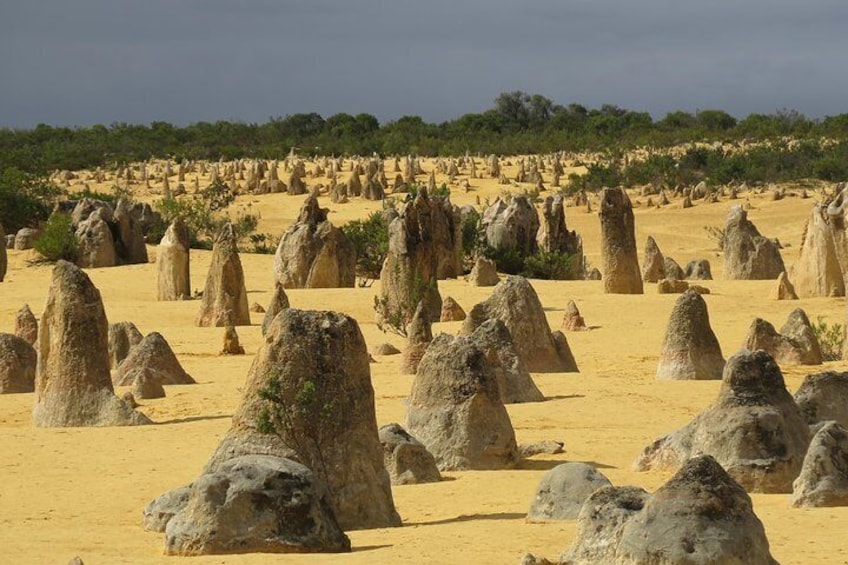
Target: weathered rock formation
[823, 480]
[225, 297]
[784, 290]
[698, 269]
[484, 273]
[563, 490]
[690, 350]
[313, 253]
[408, 275]
[172, 263]
[554, 237]
[817, 271]
[747, 254]
[231, 342]
[253, 504]
[72, 382]
[419, 336]
[653, 266]
[17, 365]
[618, 244]
[572, 321]
[455, 408]
[406, 459]
[516, 304]
[513, 225]
[823, 397]
[754, 429]
[279, 302]
[301, 352]
[451, 311]
[699, 517]
[796, 344]
[153, 354]
[26, 325]
[123, 336]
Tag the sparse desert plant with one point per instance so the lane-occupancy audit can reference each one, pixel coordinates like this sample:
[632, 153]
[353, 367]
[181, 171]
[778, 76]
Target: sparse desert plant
[394, 315]
[57, 239]
[370, 238]
[831, 339]
[715, 234]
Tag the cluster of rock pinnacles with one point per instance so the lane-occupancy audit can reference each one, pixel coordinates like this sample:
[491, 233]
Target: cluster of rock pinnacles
[266, 492]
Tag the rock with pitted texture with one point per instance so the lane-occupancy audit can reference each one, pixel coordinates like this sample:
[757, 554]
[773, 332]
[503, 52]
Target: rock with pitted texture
[618, 243]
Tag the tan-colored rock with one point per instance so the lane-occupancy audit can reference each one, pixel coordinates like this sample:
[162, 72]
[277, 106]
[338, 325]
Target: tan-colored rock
[147, 385]
[653, 267]
[747, 254]
[456, 411]
[419, 336]
[572, 321]
[26, 325]
[279, 302]
[690, 350]
[17, 365]
[554, 236]
[153, 354]
[73, 386]
[313, 253]
[302, 347]
[451, 311]
[796, 344]
[784, 290]
[484, 273]
[385, 349]
[231, 342]
[823, 480]
[172, 263]
[406, 459]
[817, 271]
[618, 244]
[225, 296]
[670, 286]
[257, 308]
[516, 304]
[123, 336]
[754, 429]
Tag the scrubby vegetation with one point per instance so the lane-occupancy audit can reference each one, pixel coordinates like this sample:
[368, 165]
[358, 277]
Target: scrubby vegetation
[57, 239]
[370, 237]
[831, 339]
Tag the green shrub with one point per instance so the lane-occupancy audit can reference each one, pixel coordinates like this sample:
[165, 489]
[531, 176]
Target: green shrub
[370, 238]
[831, 339]
[442, 191]
[472, 236]
[25, 199]
[57, 239]
[547, 265]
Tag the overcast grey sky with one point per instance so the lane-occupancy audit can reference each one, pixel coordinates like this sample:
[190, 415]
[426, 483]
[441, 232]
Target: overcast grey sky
[80, 62]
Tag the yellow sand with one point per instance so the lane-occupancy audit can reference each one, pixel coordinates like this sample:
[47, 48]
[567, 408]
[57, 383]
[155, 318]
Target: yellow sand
[68, 492]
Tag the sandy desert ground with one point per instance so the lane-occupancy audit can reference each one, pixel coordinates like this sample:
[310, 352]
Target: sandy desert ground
[68, 492]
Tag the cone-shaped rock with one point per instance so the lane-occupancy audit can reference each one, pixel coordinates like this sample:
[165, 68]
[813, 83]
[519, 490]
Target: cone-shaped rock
[618, 244]
[817, 271]
[455, 408]
[256, 504]
[26, 325]
[796, 344]
[484, 273]
[824, 396]
[747, 254]
[17, 365]
[701, 516]
[304, 347]
[451, 311]
[153, 354]
[225, 297]
[279, 302]
[554, 236]
[514, 381]
[563, 490]
[516, 304]
[96, 244]
[572, 321]
[313, 253]
[172, 263]
[231, 342]
[513, 226]
[824, 476]
[419, 336]
[699, 269]
[147, 385]
[72, 382]
[123, 336]
[406, 459]
[690, 350]
[673, 271]
[784, 289]
[653, 266]
[754, 429]
[408, 275]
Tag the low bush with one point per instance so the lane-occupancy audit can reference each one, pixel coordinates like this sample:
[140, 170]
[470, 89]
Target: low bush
[57, 239]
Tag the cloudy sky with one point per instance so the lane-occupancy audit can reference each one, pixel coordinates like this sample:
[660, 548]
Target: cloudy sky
[80, 62]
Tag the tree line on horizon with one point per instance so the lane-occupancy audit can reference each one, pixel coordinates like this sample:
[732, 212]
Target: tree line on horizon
[517, 123]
